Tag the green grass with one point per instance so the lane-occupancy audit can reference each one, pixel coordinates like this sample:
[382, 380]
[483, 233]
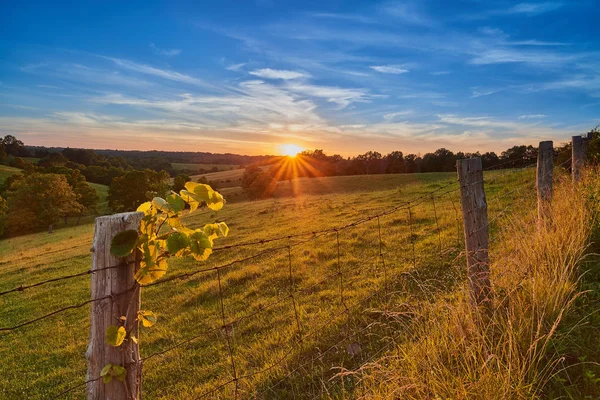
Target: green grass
[47, 357]
[102, 191]
[6, 171]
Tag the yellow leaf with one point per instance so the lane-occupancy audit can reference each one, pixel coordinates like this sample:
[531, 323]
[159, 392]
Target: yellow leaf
[147, 318]
[115, 335]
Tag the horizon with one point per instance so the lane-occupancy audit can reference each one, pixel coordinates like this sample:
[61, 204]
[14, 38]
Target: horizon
[254, 77]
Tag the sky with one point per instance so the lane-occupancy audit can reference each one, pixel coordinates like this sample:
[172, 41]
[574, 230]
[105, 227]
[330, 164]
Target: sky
[343, 76]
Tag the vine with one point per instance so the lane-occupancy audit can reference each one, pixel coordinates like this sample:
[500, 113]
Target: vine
[162, 235]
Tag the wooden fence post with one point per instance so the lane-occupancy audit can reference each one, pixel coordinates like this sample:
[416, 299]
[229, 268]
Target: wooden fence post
[123, 299]
[474, 211]
[577, 157]
[545, 165]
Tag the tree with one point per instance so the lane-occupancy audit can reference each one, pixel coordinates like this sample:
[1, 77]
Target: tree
[14, 147]
[135, 187]
[86, 195]
[179, 182]
[40, 200]
[3, 214]
[53, 160]
[257, 183]
[3, 154]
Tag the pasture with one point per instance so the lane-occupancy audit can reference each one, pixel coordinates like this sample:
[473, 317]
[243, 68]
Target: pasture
[6, 171]
[298, 318]
[44, 358]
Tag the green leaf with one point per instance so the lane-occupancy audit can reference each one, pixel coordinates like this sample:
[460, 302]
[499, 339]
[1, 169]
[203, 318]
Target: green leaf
[191, 199]
[105, 373]
[200, 245]
[176, 242]
[109, 371]
[216, 201]
[119, 372]
[115, 335]
[160, 204]
[123, 243]
[175, 202]
[147, 318]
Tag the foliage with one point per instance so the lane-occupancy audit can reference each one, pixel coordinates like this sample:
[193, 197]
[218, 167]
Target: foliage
[179, 182]
[12, 146]
[258, 184]
[39, 200]
[156, 244]
[136, 187]
[3, 214]
[109, 371]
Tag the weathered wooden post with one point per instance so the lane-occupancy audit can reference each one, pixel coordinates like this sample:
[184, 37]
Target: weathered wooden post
[577, 157]
[474, 211]
[123, 300]
[545, 166]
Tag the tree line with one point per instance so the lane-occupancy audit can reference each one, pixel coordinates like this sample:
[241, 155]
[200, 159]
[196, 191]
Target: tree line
[56, 186]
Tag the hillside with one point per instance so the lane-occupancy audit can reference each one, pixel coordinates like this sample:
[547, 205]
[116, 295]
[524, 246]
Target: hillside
[188, 308]
[6, 171]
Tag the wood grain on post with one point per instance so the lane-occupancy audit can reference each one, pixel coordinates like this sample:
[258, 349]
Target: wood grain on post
[474, 211]
[125, 301]
[545, 166]
[577, 159]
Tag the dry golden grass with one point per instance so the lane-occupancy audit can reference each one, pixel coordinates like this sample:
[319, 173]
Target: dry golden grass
[456, 351]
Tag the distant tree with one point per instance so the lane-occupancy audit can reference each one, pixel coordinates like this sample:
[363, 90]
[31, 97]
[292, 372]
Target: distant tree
[136, 187]
[489, 159]
[18, 162]
[3, 214]
[412, 163]
[86, 195]
[14, 147]
[179, 182]
[3, 153]
[203, 180]
[40, 200]
[53, 160]
[258, 184]
[394, 163]
[519, 156]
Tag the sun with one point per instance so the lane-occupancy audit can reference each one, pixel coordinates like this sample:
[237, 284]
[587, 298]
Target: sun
[290, 150]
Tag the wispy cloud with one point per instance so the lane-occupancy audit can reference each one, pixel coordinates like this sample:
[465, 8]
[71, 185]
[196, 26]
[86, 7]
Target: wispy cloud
[532, 116]
[394, 115]
[535, 8]
[160, 73]
[407, 12]
[345, 17]
[501, 56]
[269, 73]
[164, 52]
[235, 67]
[343, 97]
[389, 69]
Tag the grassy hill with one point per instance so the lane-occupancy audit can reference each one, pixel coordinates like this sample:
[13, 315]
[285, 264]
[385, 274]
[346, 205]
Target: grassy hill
[45, 358]
[6, 171]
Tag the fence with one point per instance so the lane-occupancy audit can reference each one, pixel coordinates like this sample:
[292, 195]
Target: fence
[341, 317]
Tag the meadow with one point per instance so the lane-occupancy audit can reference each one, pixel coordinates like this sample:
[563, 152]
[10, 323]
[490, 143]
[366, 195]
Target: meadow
[358, 303]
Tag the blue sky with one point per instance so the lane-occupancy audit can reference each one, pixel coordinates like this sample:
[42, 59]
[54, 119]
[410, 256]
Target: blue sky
[344, 76]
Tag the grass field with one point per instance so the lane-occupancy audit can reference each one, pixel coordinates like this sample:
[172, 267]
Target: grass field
[43, 359]
[6, 171]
